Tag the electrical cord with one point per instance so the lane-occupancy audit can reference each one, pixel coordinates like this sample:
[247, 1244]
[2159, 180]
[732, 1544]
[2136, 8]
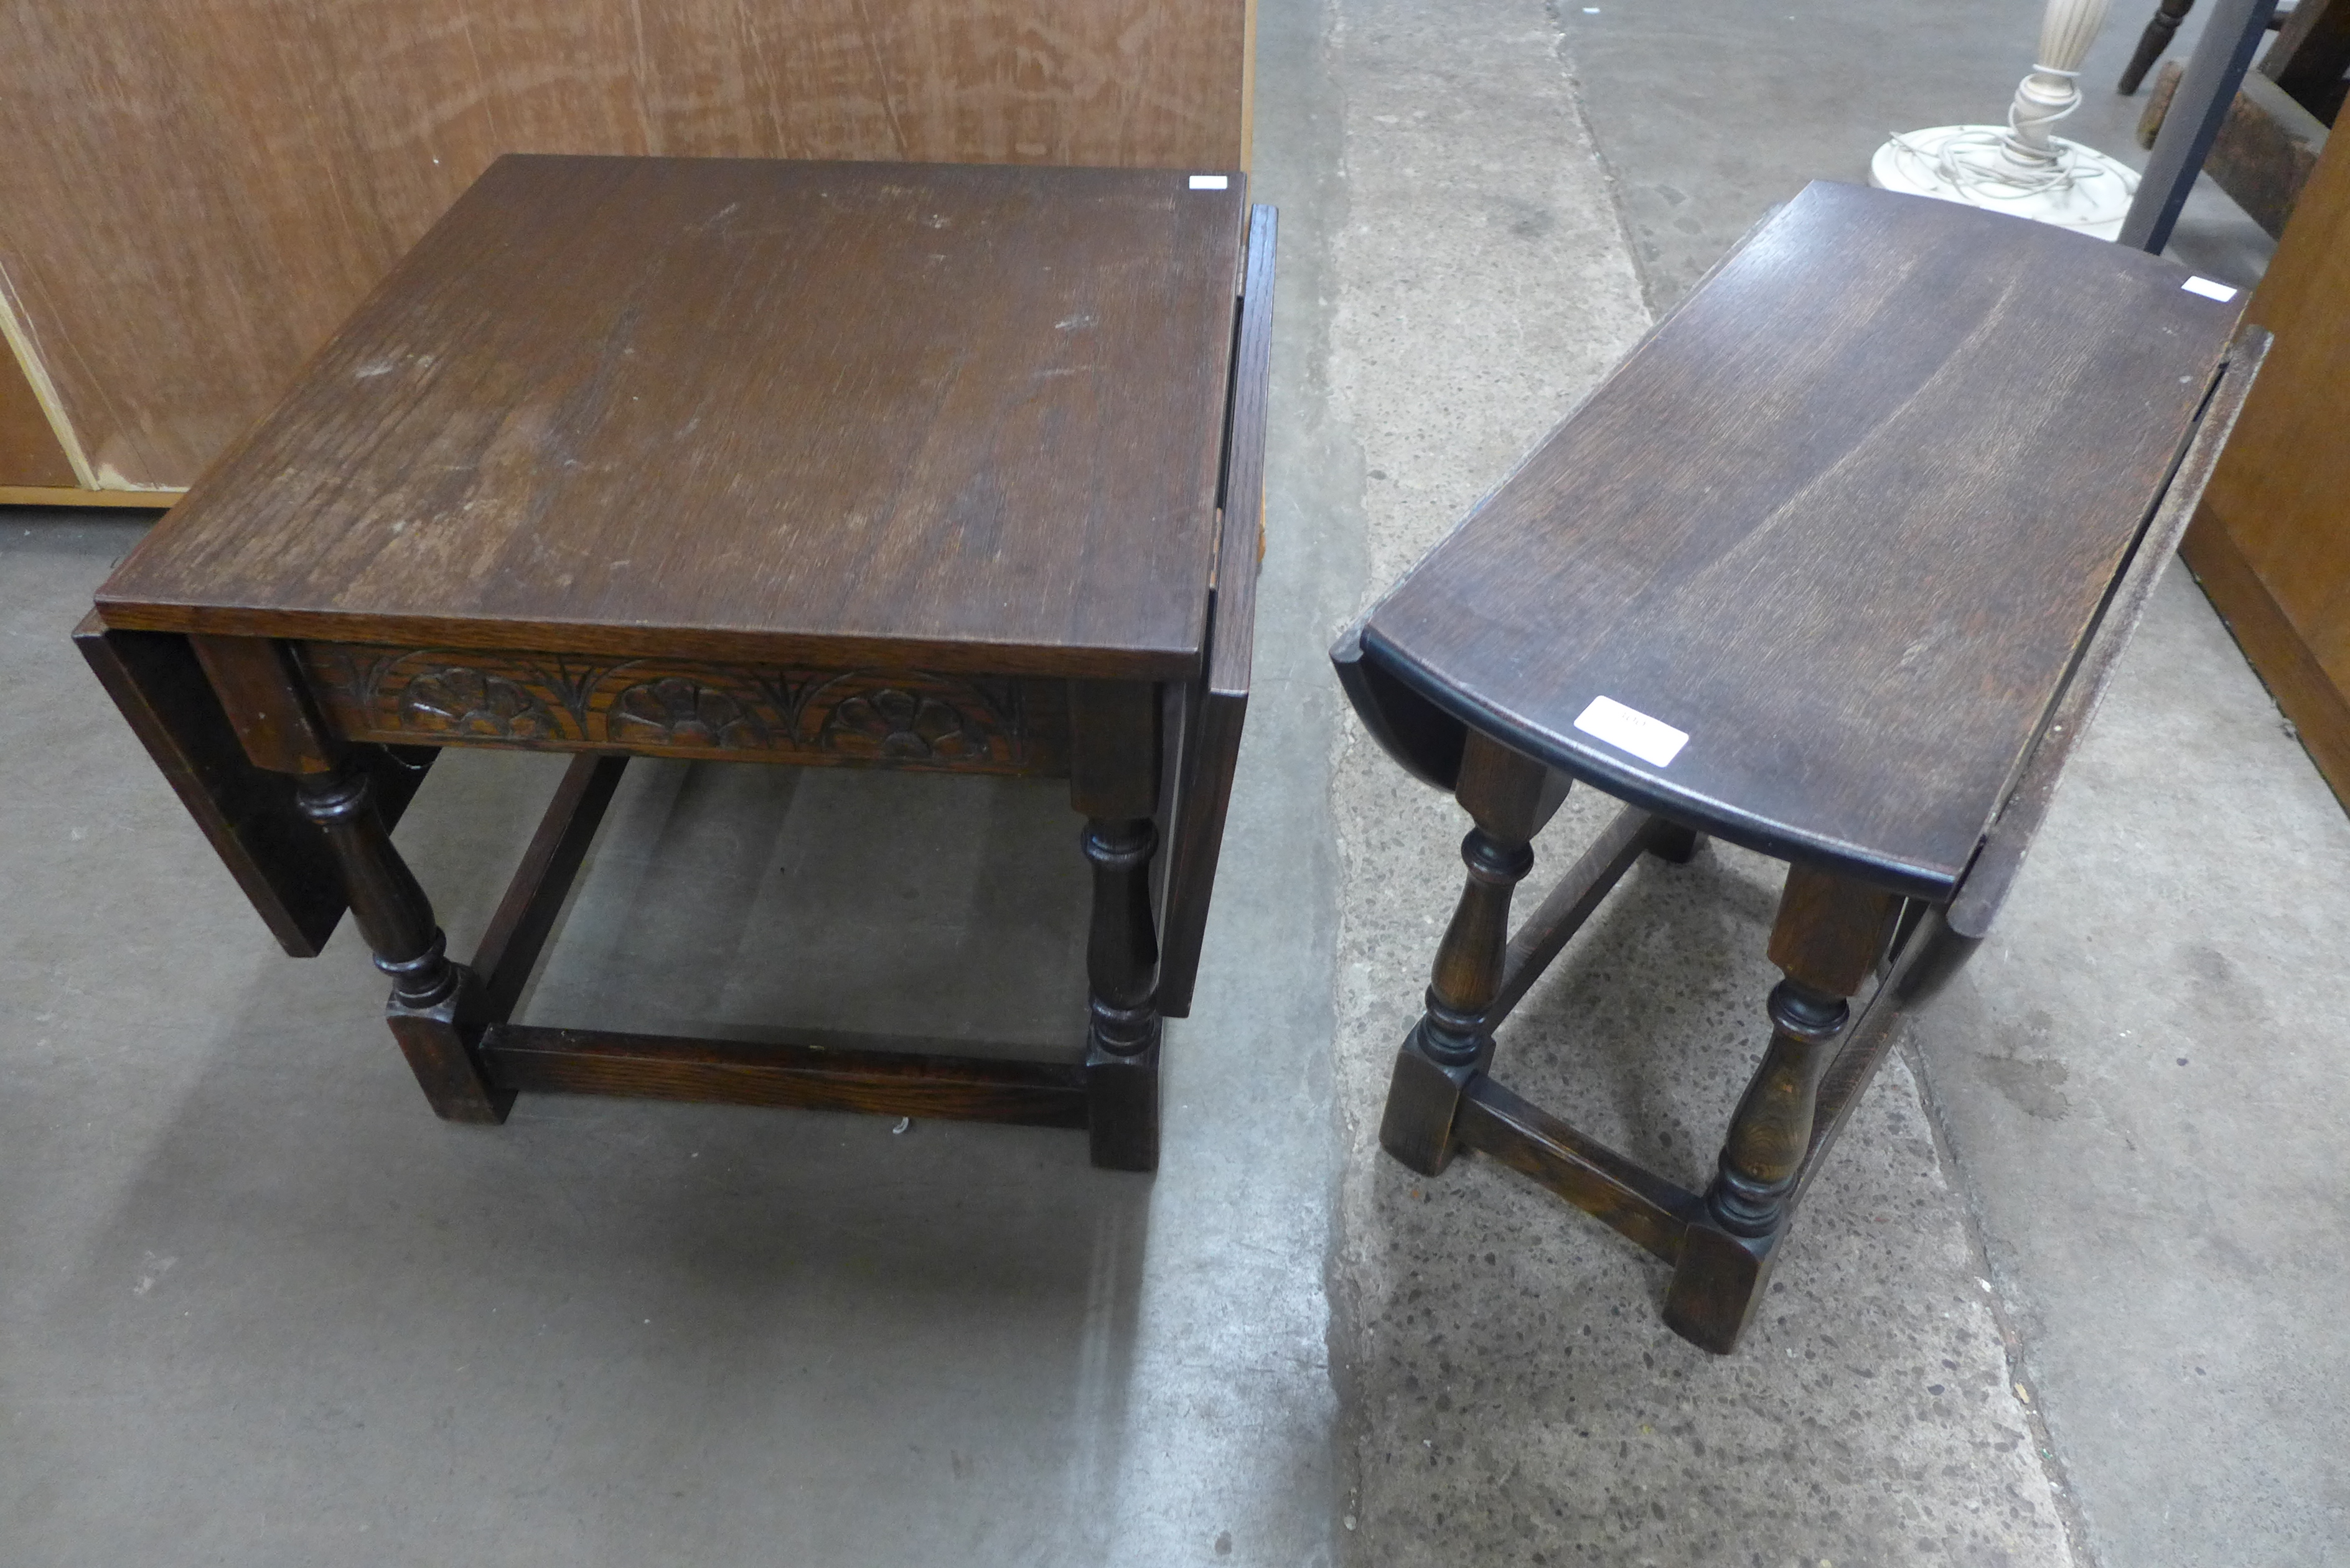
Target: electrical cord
[2000, 165]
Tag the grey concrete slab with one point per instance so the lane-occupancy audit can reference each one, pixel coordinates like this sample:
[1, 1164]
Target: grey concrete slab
[1708, 113]
[1514, 1398]
[2143, 1080]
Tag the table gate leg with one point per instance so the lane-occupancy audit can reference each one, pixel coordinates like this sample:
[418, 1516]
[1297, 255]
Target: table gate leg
[1827, 939]
[428, 992]
[1505, 794]
[1114, 780]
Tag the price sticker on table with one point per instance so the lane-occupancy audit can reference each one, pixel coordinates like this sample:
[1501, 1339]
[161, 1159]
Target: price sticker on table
[1629, 730]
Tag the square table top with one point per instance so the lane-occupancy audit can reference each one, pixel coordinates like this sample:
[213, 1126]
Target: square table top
[955, 417]
[1844, 520]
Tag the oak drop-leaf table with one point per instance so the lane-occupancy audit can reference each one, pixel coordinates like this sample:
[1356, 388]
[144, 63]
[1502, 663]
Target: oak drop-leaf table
[955, 468]
[1835, 565]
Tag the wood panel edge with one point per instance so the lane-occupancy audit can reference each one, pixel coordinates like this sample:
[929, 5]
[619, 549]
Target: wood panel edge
[56, 495]
[1248, 87]
[45, 390]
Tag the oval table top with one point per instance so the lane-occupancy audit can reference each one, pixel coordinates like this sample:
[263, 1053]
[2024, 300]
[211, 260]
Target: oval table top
[1810, 567]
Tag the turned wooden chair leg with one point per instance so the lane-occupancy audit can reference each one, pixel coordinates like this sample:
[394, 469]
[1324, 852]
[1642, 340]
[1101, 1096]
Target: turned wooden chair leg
[431, 996]
[2152, 42]
[1508, 796]
[1827, 940]
[1114, 780]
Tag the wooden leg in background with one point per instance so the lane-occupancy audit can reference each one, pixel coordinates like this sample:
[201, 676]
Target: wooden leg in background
[2152, 42]
[431, 995]
[1114, 780]
[1827, 939]
[1506, 795]
[1672, 842]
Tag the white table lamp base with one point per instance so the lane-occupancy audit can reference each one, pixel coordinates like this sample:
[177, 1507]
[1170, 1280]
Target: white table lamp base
[2083, 189]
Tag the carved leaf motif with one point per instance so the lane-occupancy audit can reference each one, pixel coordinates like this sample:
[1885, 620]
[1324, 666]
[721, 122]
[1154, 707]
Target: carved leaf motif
[460, 702]
[677, 711]
[909, 725]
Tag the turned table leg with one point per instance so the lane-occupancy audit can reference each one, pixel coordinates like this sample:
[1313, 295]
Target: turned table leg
[1114, 780]
[429, 991]
[1827, 940]
[2152, 42]
[261, 692]
[1508, 796]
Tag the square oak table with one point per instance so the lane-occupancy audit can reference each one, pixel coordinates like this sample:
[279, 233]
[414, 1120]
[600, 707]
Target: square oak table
[955, 468]
[1835, 565]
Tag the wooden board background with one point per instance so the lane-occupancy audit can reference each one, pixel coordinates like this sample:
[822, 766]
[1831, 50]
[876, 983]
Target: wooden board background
[29, 452]
[2272, 542]
[197, 191]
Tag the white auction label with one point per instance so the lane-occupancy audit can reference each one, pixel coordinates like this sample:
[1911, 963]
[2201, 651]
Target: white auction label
[1210, 181]
[1628, 728]
[2207, 289]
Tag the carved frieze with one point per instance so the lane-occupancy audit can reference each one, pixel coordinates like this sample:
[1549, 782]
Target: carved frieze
[461, 701]
[676, 712]
[888, 717]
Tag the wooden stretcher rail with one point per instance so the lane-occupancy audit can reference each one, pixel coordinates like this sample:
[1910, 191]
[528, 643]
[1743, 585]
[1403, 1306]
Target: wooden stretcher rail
[1641, 1205]
[809, 1071]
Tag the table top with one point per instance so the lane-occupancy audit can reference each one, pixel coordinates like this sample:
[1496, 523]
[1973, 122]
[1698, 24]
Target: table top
[1842, 521]
[954, 417]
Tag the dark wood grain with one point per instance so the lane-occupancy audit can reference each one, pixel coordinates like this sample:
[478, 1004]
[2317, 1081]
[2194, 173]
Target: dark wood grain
[1842, 518]
[246, 812]
[681, 460]
[1114, 780]
[1504, 793]
[1211, 754]
[434, 1008]
[821, 1072]
[1422, 737]
[1831, 931]
[1645, 1207]
[2009, 841]
[1718, 1280]
[1508, 796]
[259, 686]
[1828, 936]
[669, 707]
[945, 418]
[1765, 520]
[1928, 961]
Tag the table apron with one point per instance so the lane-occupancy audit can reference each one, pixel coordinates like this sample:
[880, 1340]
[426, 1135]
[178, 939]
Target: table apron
[685, 708]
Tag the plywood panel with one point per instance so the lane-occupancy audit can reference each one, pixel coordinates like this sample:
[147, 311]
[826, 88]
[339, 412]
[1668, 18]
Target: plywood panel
[2275, 523]
[29, 452]
[199, 190]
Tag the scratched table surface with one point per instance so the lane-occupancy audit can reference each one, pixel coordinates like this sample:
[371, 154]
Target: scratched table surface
[1842, 522]
[951, 417]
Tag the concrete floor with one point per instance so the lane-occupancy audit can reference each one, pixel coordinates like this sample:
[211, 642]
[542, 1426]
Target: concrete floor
[2067, 1294]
